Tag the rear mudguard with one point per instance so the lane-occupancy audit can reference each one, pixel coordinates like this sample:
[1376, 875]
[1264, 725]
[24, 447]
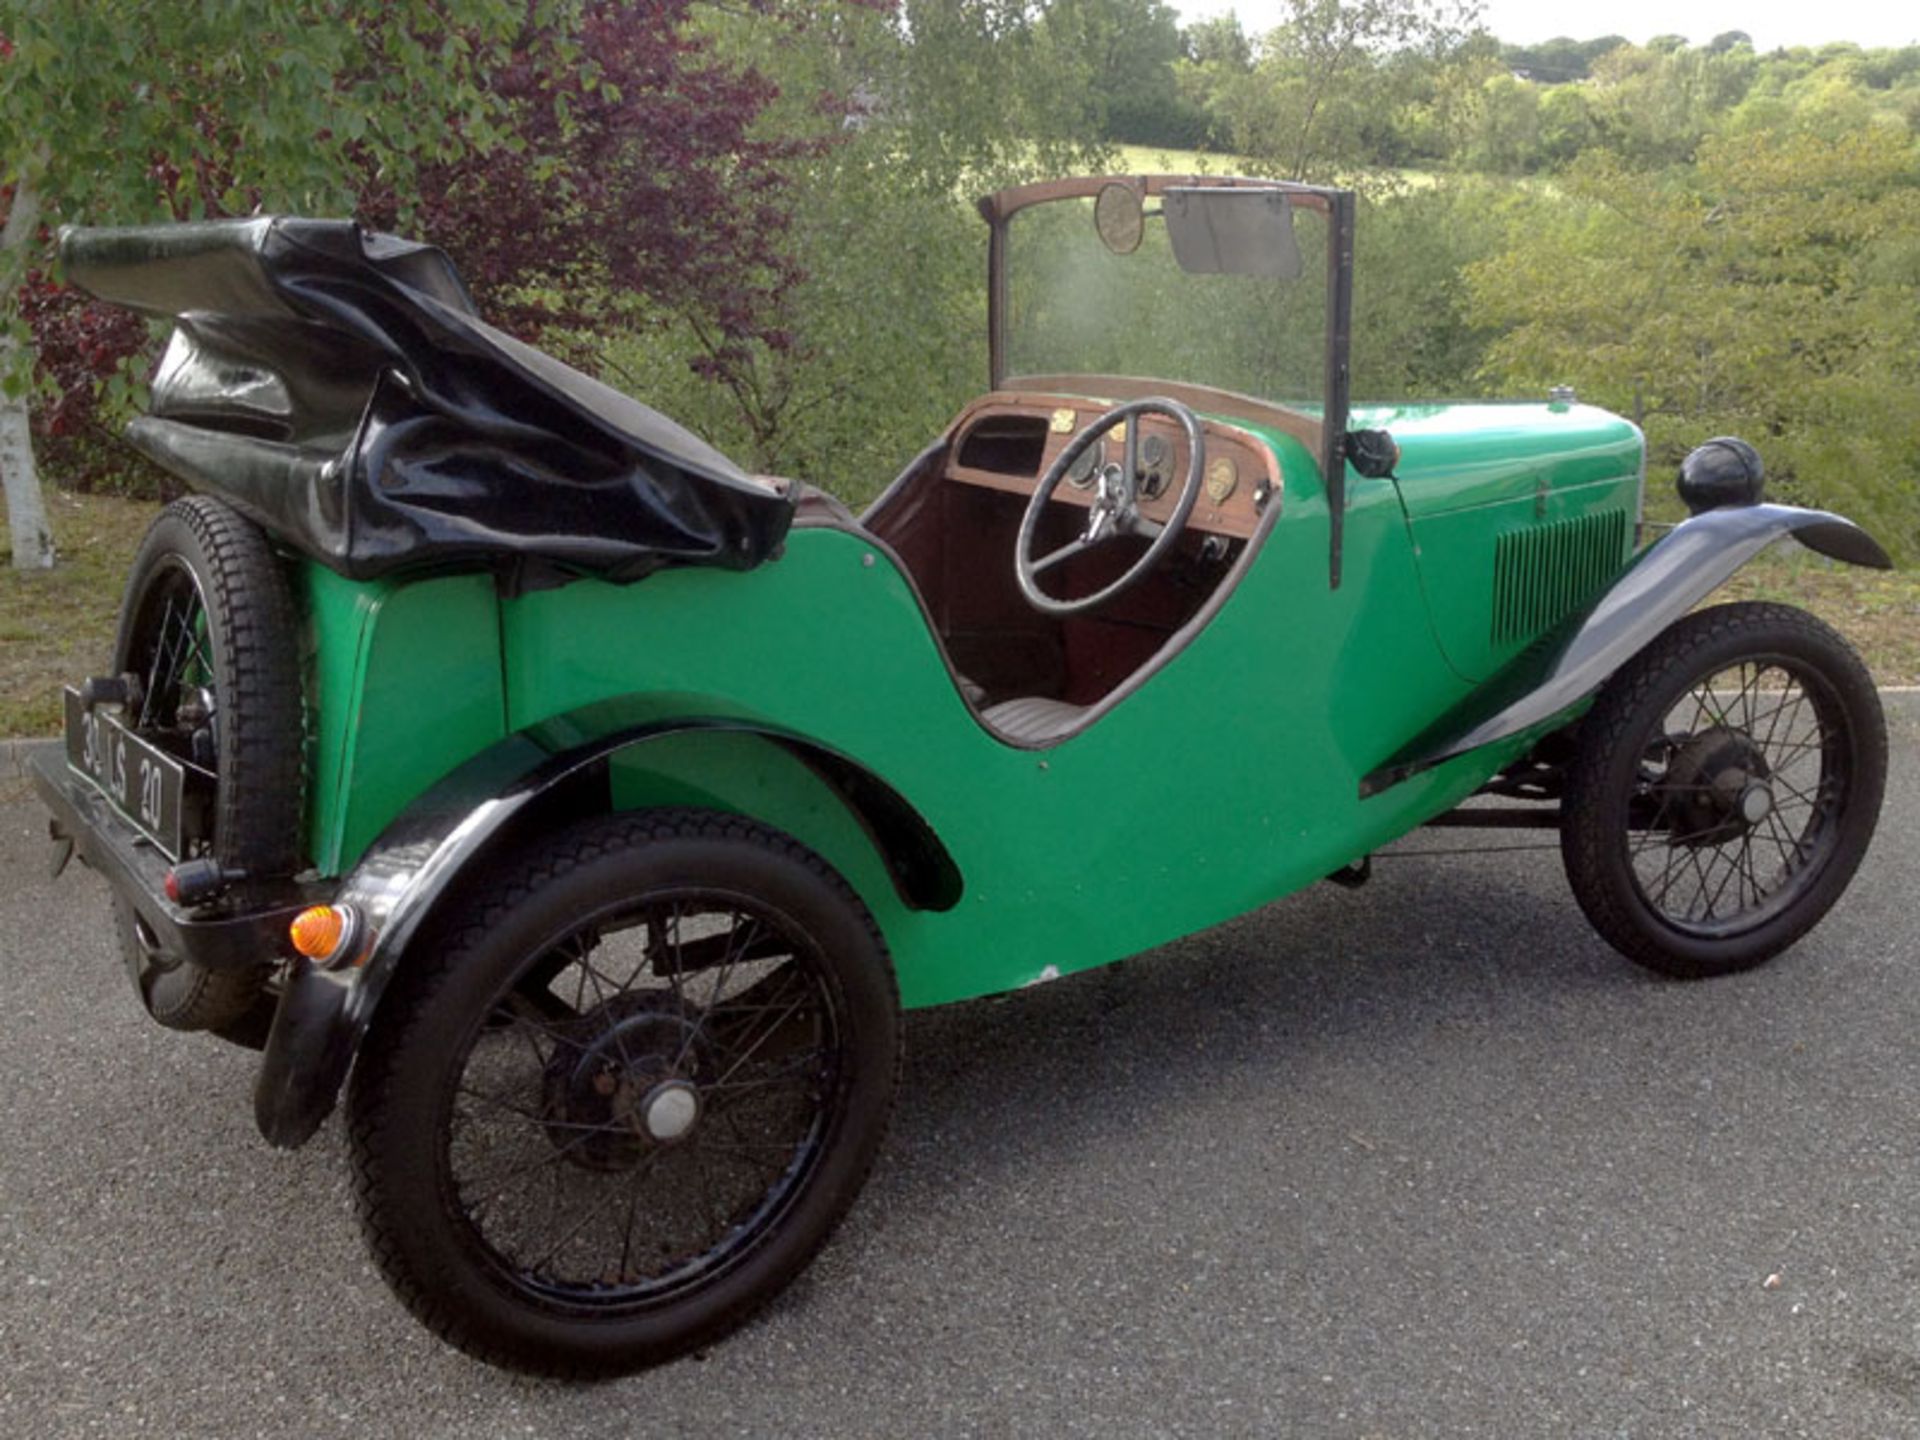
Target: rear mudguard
[1571, 662]
[542, 776]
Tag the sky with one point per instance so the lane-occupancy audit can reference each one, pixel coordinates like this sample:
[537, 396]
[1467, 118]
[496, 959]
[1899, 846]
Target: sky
[1771, 23]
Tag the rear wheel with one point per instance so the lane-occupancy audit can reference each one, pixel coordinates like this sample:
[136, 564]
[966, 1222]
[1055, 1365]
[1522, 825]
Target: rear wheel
[628, 1094]
[1726, 784]
[208, 631]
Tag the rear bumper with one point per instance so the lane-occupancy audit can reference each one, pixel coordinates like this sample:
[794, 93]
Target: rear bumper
[218, 937]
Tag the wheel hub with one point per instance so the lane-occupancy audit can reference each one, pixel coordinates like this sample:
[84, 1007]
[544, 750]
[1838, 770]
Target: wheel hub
[622, 1081]
[1716, 788]
[670, 1110]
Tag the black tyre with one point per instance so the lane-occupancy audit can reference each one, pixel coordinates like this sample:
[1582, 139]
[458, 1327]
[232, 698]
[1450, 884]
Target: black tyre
[1724, 789]
[623, 1097]
[208, 627]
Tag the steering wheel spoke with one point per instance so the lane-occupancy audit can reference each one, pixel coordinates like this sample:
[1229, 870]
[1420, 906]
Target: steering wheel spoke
[1115, 512]
[1147, 529]
[1077, 546]
[1130, 475]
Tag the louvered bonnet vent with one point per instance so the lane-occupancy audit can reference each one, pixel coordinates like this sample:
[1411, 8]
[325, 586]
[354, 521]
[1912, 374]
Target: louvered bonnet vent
[1545, 573]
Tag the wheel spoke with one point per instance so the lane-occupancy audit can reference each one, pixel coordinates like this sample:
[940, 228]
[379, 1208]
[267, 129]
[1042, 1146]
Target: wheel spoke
[1733, 868]
[593, 1210]
[552, 1138]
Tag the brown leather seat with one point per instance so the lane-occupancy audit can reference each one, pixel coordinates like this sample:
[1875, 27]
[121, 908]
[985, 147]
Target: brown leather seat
[1034, 719]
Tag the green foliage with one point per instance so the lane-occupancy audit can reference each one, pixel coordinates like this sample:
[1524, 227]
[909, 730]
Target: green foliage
[1557, 61]
[121, 110]
[1415, 330]
[889, 319]
[1766, 291]
[1128, 49]
[1706, 238]
[1311, 108]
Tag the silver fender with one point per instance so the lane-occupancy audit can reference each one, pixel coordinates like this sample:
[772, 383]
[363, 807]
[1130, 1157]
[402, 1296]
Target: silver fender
[1574, 660]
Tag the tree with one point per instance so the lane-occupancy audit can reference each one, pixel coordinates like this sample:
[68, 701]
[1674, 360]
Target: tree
[1219, 40]
[1128, 49]
[885, 320]
[1305, 109]
[1559, 61]
[121, 111]
[1765, 293]
[638, 166]
[1654, 106]
[1218, 55]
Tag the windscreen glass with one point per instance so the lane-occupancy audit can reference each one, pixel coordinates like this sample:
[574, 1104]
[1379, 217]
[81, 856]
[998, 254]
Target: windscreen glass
[1221, 288]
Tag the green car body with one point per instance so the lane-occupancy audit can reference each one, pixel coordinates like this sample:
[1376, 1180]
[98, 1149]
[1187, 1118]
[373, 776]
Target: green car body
[1220, 784]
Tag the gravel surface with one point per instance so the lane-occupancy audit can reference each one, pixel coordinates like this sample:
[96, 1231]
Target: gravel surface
[1422, 1159]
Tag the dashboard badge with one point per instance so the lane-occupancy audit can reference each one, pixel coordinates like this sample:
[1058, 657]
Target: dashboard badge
[1222, 478]
[1062, 422]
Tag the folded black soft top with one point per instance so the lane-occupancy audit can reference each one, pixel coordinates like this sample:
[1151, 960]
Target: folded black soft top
[336, 385]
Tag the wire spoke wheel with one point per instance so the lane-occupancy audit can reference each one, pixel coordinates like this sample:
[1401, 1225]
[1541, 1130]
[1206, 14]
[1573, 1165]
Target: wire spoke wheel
[1741, 793]
[628, 1122]
[1725, 789]
[629, 1093]
[168, 648]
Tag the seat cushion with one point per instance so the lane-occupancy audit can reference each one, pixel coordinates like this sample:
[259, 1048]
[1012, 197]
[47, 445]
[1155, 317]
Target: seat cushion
[1033, 719]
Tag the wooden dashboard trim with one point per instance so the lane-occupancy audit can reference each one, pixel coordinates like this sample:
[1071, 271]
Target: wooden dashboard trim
[1239, 517]
[1230, 403]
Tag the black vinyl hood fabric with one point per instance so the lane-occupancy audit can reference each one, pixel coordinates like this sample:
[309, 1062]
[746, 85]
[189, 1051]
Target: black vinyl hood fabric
[336, 386]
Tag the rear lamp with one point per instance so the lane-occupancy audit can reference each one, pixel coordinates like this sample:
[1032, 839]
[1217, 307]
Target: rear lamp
[193, 882]
[325, 933]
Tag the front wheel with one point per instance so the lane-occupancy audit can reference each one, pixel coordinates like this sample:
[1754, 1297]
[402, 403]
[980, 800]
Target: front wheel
[627, 1095]
[1725, 787]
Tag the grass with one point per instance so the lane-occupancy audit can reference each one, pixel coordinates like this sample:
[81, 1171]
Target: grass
[1157, 160]
[1878, 610]
[56, 626]
[1152, 160]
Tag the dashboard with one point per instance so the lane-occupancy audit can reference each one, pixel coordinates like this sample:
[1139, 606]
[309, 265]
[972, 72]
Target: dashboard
[1007, 440]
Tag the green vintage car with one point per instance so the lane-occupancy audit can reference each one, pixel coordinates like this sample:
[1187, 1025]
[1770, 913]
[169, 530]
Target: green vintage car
[481, 741]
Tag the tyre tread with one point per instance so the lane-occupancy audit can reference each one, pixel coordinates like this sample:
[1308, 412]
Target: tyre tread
[1619, 711]
[258, 799]
[368, 1111]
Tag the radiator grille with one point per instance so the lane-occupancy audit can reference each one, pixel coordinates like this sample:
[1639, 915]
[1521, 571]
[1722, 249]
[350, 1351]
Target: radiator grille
[1543, 574]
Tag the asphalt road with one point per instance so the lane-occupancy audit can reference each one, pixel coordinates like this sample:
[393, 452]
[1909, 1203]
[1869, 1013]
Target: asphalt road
[1422, 1159]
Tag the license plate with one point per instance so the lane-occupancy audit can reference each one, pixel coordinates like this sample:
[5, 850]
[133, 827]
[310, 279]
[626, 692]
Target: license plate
[143, 783]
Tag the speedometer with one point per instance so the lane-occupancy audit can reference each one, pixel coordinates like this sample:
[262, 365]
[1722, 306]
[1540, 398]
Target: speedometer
[1088, 465]
[1155, 457]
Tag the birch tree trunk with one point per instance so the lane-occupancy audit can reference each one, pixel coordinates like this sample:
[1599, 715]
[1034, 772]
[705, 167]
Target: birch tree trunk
[26, 511]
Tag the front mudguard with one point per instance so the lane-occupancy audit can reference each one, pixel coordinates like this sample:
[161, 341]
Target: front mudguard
[519, 788]
[1575, 659]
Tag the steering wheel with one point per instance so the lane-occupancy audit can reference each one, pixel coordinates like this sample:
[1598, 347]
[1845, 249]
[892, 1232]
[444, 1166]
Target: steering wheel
[1115, 511]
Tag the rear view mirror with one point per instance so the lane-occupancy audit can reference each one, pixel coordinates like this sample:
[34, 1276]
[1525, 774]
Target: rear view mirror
[1119, 217]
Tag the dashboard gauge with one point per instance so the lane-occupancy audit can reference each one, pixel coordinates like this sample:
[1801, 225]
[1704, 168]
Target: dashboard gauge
[1155, 454]
[1088, 465]
[1223, 476]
